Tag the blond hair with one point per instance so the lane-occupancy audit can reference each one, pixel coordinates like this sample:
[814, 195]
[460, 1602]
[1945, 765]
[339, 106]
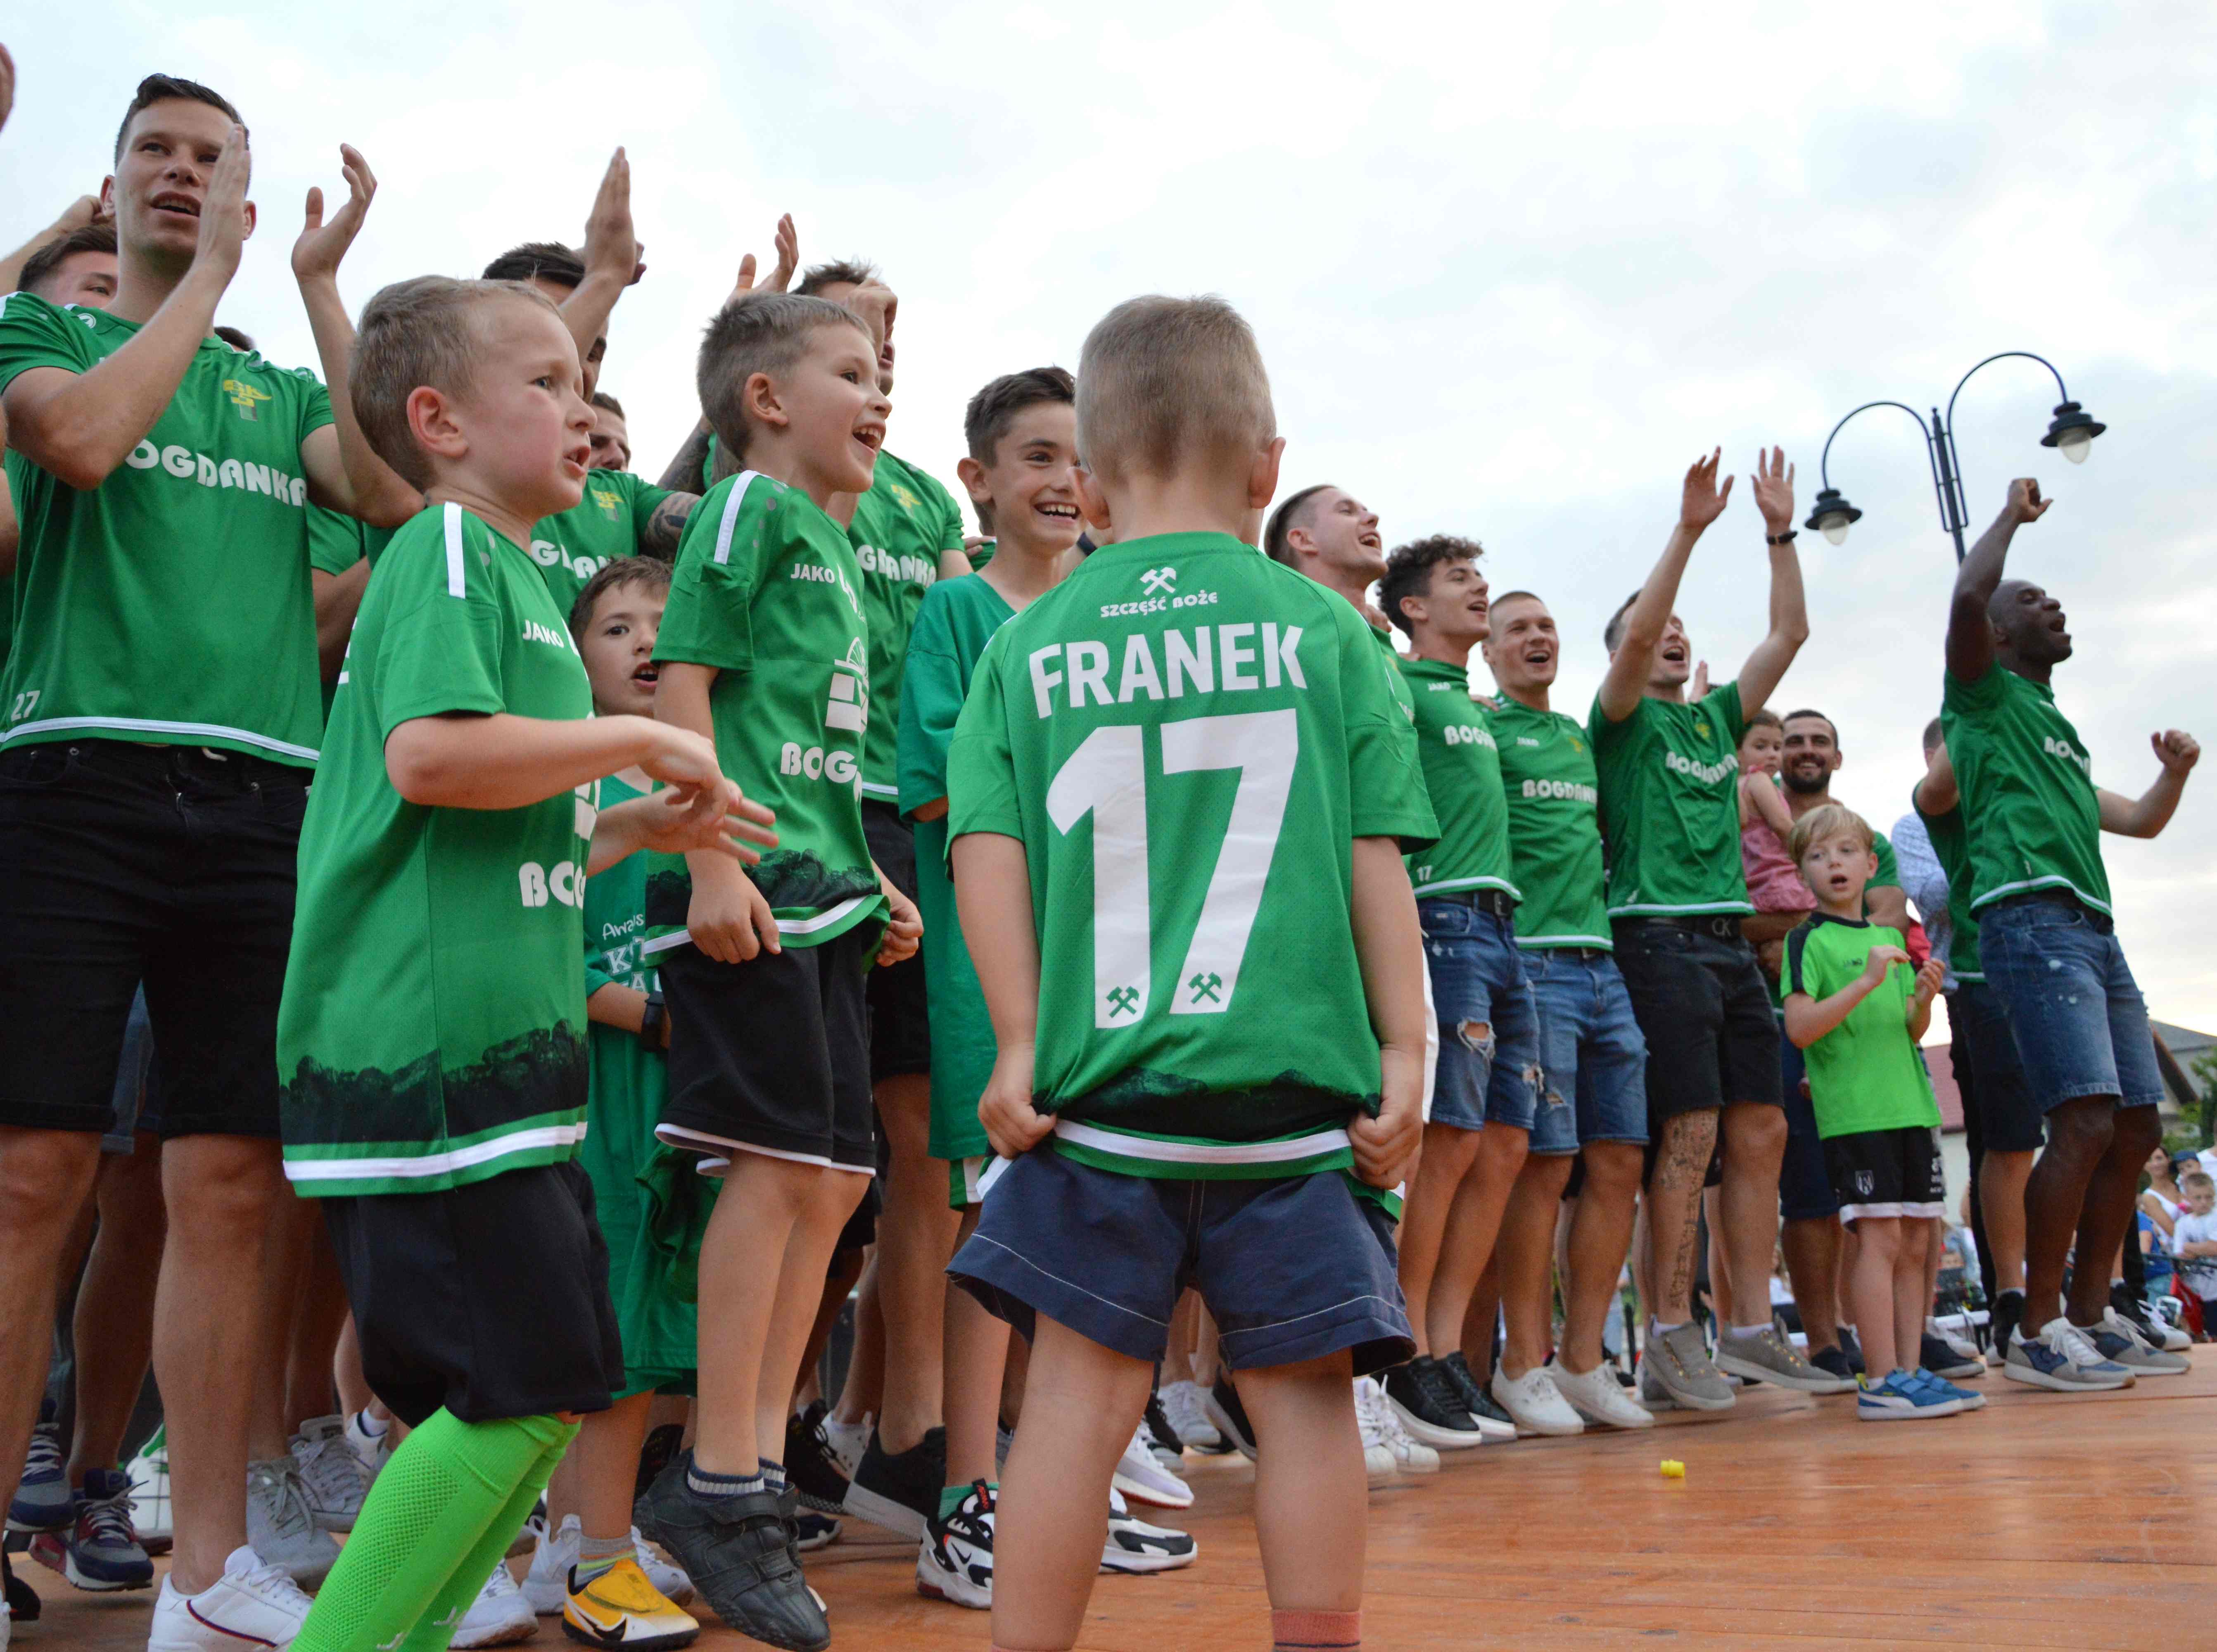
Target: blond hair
[1163, 382]
[415, 333]
[1828, 820]
[2197, 1178]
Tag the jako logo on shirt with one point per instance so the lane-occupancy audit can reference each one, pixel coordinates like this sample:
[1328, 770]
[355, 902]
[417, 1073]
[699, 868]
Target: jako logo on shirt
[561, 881]
[1706, 773]
[535, 632]
[186, 464]
[2055, 748]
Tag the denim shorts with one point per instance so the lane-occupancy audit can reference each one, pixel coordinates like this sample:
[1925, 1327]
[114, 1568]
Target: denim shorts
[2080, 1025]
[1489, 1021]
[2010, 1120]
[1591, 1049]
[1291, 1268]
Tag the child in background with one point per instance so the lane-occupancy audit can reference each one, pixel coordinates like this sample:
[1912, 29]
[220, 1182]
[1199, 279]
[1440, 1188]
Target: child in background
[2193, 1243]
[1855, 1008]
[1774, 883]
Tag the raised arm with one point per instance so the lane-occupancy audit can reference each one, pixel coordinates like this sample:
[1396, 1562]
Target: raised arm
[2178, 752]
[1936, 793]
[611, 258]
[1808, 1019]
[78, 427]
[1701, 502]
[78, 213]
[1970, 631]
[343, 472]
[338, 599]
[1789, 611]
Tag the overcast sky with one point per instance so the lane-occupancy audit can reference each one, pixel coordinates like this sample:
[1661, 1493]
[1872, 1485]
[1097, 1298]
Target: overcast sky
[1511, 269]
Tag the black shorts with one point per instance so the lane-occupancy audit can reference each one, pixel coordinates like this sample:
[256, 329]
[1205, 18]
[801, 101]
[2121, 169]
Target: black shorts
[1699, 997]
[1292, 1269]
[1887, 1172]
[490, 1299]
[2010, 1119]
[167, 865]
[1805, 1180]
[900, 1023]
[769, 1055]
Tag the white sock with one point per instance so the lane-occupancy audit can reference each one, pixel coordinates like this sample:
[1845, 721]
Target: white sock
[1747, 1330]
[1657, 1328]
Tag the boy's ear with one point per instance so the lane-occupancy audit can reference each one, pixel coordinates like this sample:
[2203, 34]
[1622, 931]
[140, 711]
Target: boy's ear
[761, 401]
[1262, 476]
[1092, 504]
[431, 420]
[972, 476]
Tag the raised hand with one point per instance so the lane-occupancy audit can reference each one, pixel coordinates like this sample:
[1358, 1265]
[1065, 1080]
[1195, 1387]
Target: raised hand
[223, 211]
[1703, 501]
[2025, 503]
[1929, 975]
[1882, 958]
[1698, 690]
[2176, 750]
[1774, 491]
[7, 85]
[875, 304]
[611, 245]
[322, 246]
[788, 242]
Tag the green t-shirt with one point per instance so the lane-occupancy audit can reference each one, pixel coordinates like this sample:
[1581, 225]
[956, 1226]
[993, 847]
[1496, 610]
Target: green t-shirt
[432, 1032]
[170, 605]
[958, 618]
[766, 591]
[1951, 847]
[604, 525]
[1554, 826]
[2027, 790]
[1865, 1073]
[900, 527]
[1670, 805]
[1888, 875]
[1187, 737]
[1462, 777]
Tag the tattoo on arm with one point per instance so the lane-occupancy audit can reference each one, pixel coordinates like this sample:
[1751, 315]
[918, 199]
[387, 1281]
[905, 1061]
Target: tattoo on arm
[684, 470]
[660, 536]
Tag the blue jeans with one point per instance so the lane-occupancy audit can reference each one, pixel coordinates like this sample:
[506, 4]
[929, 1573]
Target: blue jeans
[2080, 1024]
[1591, 1048]
[1489, 1065]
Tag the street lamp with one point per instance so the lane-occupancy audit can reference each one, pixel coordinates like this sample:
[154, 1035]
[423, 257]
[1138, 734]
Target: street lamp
[2070, 433]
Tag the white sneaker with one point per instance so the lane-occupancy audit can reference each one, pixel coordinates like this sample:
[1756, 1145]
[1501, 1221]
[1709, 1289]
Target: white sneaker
[848, 1440]
[1142, 1476]
[546, 1585]
[1388, 1449]
[331, 1474]
[253, 1604]
[1598, 1397]
[499, 1615]
[150, 1493]
[1184, 1404]
[279, 1527]
[1132, 1545]
[1531, 1401]
[372, 1450]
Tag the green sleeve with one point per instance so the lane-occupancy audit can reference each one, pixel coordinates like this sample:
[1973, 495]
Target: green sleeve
[645, 500]
[315, 406]
[595, 978]
[1963, 695]
[1601, 730]
[1888, 875]
[732, 534]
[981, 772]
[439, 650]
[1385, 777]
[1725, 702]
[35, 334]
[335, 541]
[950, 513]
[374, 541]
[930, 700]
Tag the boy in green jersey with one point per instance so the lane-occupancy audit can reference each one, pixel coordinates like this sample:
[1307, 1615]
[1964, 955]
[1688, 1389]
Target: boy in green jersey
[1857, 1007]
[763, 647]
[1179, 793]
[1590, 1045]
[1487, 1091]
[1020, 469]
[431, 1043]
[2049, 941]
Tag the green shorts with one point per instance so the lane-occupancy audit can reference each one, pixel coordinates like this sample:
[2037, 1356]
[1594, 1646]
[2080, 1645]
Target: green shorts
[968, 1179]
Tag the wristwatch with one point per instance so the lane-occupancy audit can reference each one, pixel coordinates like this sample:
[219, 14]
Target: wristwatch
[653, 1023]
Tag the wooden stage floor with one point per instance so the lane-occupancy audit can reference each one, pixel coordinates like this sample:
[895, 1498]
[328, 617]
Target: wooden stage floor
[2085, 1520]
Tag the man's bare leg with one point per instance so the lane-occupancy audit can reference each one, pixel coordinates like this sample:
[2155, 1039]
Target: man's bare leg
[1448, 1154]
[1601, 1231]
[2106, 1216]
[1674, 1204]
[2002, 1178]
[45, 1180]
[1473, 1223]
[1813, 1266]
[1526, 1247]
[1755, 1147]
[311, 1352]
[113, 1325]
[862, 1395]
[2080, 1134]
[915, 1238]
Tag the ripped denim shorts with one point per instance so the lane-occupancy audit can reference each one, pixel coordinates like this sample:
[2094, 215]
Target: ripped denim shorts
[1489, 1068]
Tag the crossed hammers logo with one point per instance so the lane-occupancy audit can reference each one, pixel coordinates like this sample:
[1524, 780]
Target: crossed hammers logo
[1159, 581]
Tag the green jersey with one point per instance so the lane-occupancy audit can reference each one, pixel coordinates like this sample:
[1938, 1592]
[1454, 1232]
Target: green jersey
[2027, 790]
[958, 618]
[766, 591]
[1951, 846]
[1186, 738]
[1554, 826]
[170, 605]
[900, 527]
[1670, 805]
[1462, 777]
[1865, 1073]
[604, 525]
[432, 1032]
[1396, 684]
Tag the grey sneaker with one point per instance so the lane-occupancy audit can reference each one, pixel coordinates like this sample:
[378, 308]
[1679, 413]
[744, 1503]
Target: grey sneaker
[281, 1528]
[1653, 1396]
[2115, 1337]
[331, 1474]
[1679, 1361]
[1767, 1357]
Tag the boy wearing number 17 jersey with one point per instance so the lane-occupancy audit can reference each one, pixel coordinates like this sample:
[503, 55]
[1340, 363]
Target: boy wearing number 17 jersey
[1179, 792]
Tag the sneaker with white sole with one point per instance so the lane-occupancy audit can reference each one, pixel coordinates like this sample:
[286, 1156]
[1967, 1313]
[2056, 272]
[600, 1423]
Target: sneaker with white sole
[1495, 1426]
[372, 1442]
[1142, 1476]
[1899, 1397]
[850, 1441]
[620, 1607]
[1132, 1545]
[1936, 1354]
[1961, 1346]
[1678, 1361]
[99, 1552]
[1598, 1397]
[332, 1475]
[253, 1604]
[2117, 1339]
[1969, 1398]
[1533, 1403]
[499, 1616]
[1431, 1406]
[150, 1493]
[279, 1526]
[1388, 1450]
[546, 1585]
[43, 1500]
[954, 1561]
[2058, 1356]
[1230, 1417]
[1186, 1406]
[1767, 1357]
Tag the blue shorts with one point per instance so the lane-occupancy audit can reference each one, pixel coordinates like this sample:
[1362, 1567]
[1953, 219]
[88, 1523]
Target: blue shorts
[1490, 1075]
[1590, 1048]
[1805, 1193]
[2080, 1025]
[1291, 1269]
[2010, 1120]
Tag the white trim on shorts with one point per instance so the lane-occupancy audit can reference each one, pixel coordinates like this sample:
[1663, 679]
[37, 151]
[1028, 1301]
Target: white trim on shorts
[679, 1135]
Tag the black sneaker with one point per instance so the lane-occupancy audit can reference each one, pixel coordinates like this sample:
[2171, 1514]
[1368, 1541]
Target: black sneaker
[23, 1603]
[1833, 1363]
[1851, 1350]
[2002, 1321]
[736, 1551]
[1165, 1441]
[1231, 1417]
[901, 1493]
[662, 1445]
[1430, 1405]
[1937, 1357]
[811, 1464]
[1495, 1424]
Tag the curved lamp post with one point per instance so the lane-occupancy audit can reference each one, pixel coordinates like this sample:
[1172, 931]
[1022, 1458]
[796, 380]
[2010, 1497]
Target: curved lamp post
[2070, 433]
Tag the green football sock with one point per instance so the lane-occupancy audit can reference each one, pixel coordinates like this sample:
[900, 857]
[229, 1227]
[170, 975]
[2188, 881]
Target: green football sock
[435, 1628]
[436, 1504]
